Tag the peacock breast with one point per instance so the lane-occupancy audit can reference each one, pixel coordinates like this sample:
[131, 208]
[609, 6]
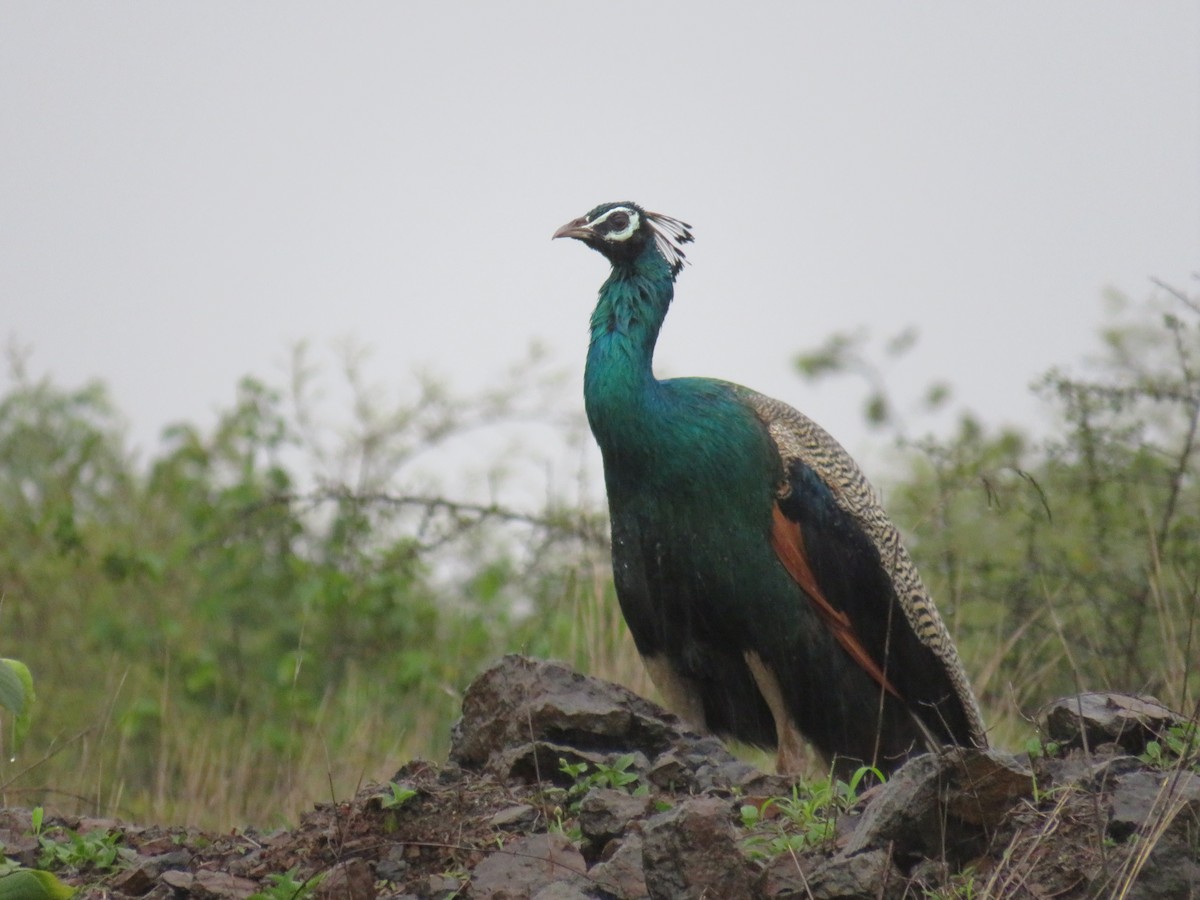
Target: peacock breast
[691, 496]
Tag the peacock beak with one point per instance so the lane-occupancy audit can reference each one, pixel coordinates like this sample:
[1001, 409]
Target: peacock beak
[576, 228]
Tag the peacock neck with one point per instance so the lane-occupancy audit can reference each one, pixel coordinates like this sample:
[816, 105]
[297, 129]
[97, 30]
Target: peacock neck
[619, 378]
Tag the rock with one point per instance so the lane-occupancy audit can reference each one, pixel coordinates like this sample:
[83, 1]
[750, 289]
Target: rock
[1092, 719]
[523, 716]
[1143, 801]
[514, 816]
[670, 773]
[21, 847]
[134, 881]
[443, 887]
[525, 866]
[1158, 813]
[941, 804]
[159, 846]
[620, 871]
[348, 880]
[691, 852]
[1087, 771]
[209, 885]
[159, 863]
[222, 886]
[14, 820]
[866, 876]
[697, 763]
[985, 785]
[1170, 869]
[393, 866]
[561, 890]
[521, 701]
[179, 881]
[786, 876]
[604, 814]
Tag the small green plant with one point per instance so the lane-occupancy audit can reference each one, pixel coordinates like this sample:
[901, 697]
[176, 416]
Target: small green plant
[615, 776]
[806, 818]
[573, 771]
[1177, 747]
[566, 823]
[1039, 749]
[400, 795]
[20, 883]
[97, 850]
[288, 886]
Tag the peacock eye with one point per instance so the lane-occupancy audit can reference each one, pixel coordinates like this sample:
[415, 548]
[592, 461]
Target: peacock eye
[617, 224]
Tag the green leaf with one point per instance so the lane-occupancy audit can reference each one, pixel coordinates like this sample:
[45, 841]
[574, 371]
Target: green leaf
[16, 694]
[33, 884]
[12, 692]
[400, 796]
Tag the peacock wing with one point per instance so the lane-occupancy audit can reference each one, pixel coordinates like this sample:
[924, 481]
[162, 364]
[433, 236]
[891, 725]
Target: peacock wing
[831, 533]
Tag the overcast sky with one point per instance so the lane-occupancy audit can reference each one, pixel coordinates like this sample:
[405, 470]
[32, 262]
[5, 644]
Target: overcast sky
[188, 189]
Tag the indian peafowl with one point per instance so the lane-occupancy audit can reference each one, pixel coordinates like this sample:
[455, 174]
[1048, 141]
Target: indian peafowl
[765, 587]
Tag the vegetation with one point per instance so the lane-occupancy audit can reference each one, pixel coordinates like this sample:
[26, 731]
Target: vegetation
[254, 618]
[98, 851]
[17, 697]
[17, 883]
[1179, 749]
[288, 886]
[562, 805]
[806, 819]
[269, 611]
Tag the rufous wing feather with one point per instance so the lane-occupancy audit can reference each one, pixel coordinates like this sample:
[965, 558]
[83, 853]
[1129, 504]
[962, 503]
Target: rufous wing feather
[788, 543]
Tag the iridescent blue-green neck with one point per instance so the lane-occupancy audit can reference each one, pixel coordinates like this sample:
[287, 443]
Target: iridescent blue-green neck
[619, 378]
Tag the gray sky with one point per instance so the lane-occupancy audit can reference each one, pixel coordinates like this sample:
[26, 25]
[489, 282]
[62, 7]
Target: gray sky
[188, 189]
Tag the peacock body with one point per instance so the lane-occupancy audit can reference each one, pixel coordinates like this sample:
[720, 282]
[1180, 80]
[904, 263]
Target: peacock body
[766, 590]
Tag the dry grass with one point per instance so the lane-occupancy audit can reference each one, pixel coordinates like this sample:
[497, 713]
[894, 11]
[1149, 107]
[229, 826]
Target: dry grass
[599, 641]
[222, 773]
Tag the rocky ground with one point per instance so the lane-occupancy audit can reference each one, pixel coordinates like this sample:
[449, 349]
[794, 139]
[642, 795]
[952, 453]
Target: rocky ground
[562, 787]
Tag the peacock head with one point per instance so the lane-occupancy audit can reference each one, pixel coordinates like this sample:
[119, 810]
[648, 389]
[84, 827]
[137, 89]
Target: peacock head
[623, 231]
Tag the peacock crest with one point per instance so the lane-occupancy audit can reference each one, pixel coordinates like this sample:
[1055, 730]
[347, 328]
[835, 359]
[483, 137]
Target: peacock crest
[669, 237]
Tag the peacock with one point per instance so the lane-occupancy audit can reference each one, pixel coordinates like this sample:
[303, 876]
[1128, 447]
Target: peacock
[767, 592]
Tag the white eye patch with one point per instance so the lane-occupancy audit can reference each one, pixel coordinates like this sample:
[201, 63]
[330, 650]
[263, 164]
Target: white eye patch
[618, 224]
